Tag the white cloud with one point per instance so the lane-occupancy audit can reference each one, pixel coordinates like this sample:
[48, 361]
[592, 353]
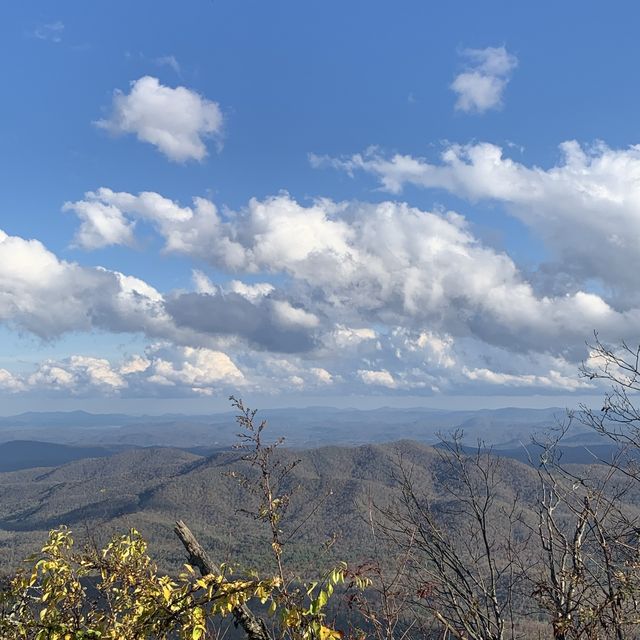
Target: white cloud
[98, 371]
[182, 370]
[361, 294]
[76, 375]
[197, 368]
[49, 297]
[10, 382]
[279, 374]
[146, 205]
[185, 229]
[429, 270]
[379, 378]
[202, 283]
[437, 348]
[52, 377]
[101, 225]
[44, 295]
[251, 292]
[393, 361]
[347, 336]
[276, 232]
[296, 381]
[136, 364]
[290, 316]
[176, 121]
[553, 380]
[322, 375]
[403, 299]
[481, 85]
[586, 208]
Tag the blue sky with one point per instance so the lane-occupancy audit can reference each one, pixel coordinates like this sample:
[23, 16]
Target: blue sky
[412, 203]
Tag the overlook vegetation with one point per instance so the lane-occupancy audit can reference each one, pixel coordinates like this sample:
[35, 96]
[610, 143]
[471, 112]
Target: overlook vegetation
[392, 540]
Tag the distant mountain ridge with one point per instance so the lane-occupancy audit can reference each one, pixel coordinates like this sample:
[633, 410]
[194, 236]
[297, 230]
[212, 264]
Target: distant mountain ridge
[312, 426]
[78, 418]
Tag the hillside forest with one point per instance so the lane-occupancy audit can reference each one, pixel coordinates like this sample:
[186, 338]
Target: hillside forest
[392, 540]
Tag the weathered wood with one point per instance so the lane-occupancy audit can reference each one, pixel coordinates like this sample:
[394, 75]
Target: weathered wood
[253, 626]
[197, 555]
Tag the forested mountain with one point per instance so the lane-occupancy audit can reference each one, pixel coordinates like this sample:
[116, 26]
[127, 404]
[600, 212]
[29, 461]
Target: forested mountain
[150, 488]
[453, 511]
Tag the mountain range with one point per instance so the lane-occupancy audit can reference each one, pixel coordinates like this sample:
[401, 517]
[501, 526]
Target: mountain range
[107, 473]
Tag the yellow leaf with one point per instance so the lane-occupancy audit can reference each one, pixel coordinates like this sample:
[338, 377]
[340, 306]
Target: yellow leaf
[197, 632]
[326, 633]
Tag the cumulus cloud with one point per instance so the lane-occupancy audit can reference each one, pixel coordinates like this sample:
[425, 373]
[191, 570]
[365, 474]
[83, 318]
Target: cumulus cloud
[274, 232]
[177, 121]
[202, 283]
[481, 85]
[53, 377]
[76, 375]
[386, 295]
[265, 323]
[185, 229]
[98, 371]
[586, 208]
[253, 291]
[292, 370]
[344, 337]
[136, 364]
[47, 296]
[428, 271]
[430, 362]
[163, 368]
[289, 316]
[9, 382]
[321, 375]
[554, 379]
[379, 378]
[101, 225]
[361, 295]
[400, 361]
[201, 370]
[437, 348]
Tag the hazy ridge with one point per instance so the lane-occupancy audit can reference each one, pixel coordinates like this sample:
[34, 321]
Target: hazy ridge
[109, 473]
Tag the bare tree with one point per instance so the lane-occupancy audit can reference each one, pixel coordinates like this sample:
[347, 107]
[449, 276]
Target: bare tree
[588, 526]
[584, 573]
[465, 551]
[619, 418]
[385, 606]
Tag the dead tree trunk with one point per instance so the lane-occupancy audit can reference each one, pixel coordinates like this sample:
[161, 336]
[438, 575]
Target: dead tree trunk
[253, 626]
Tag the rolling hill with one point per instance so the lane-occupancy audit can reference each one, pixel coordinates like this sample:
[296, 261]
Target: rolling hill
[150, 488]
